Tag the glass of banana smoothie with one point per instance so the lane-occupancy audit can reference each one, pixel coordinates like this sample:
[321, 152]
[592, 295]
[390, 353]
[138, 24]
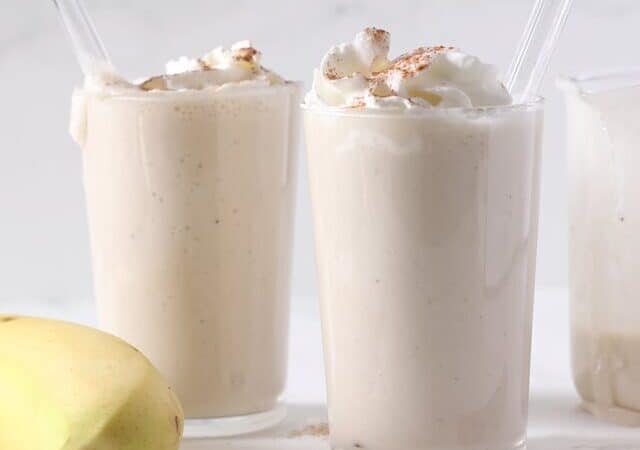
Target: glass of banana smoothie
[424, 182]
[190, 180]
[603, 112]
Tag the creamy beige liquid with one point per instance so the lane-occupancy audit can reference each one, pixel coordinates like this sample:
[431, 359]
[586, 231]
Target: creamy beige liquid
[604, 249]
[426, 234]
[190, 200]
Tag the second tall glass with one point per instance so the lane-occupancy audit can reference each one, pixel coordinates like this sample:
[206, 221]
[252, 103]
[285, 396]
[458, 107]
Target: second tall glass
[426, 230]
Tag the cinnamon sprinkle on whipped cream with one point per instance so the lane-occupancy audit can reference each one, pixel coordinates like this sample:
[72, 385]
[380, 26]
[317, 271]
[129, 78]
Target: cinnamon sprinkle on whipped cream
[360, 75]
[220, 66]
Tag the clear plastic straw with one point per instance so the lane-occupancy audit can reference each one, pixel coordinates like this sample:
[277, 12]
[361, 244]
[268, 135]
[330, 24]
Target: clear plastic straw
[531, 62]
[88, 47]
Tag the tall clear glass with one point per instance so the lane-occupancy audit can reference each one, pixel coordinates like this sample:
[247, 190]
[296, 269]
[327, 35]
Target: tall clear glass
[426, 228]
[603, 112]
[190, 197]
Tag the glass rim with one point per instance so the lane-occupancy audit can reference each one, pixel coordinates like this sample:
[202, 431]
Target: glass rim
[599, 80]
[233, 90]
[532, 103]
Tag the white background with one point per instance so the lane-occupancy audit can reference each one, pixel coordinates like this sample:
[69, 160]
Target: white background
[44, 250]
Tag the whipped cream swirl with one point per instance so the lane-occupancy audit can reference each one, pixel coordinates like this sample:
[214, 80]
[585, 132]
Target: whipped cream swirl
[219, 68]
[360, 75]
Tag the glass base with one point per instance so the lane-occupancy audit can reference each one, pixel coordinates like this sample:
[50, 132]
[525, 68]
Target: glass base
[613, 414]
[233, 426]
[520, 445]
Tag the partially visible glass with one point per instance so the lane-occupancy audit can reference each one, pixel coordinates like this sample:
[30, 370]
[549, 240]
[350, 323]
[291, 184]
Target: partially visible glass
[190, 198]
[426, 231]
[603, 112]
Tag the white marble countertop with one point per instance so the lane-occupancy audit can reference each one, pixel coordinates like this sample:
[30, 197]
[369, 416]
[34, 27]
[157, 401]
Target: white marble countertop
[556, 420]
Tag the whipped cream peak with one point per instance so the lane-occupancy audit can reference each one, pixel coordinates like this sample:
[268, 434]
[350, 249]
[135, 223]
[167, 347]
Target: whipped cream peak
[365, 55]
[361, 75]
[241, 53]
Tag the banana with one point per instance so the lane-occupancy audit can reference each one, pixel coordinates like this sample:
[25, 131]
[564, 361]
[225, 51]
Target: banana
[70, 387]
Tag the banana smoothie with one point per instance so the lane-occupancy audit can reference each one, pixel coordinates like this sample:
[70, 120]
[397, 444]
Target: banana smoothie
[424, 183]
[190, 181]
